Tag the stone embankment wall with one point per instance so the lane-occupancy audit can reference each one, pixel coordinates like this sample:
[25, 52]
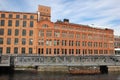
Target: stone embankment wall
[53, 68]
[63, 68]
[113, 68]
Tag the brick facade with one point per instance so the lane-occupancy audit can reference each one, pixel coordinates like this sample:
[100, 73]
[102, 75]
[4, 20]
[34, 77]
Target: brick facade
[34, 33]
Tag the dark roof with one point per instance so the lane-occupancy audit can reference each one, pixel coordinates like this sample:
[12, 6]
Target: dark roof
[18, 12]
[81, 25]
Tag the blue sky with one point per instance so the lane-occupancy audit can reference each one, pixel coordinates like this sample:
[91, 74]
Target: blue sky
[101, 13]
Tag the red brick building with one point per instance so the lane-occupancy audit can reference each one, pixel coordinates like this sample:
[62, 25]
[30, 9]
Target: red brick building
[34, 33]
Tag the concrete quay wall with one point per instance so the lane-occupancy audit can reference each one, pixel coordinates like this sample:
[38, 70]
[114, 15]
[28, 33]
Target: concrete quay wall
[62, 68]
[113, 68]
[53, 68]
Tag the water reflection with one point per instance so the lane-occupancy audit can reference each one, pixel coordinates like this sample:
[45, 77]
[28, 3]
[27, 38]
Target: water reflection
[33, 75]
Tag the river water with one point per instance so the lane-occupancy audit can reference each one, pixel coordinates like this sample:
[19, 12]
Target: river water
[34, 75]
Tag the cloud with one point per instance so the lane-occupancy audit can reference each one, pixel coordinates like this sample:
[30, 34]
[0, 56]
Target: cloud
[104, 13]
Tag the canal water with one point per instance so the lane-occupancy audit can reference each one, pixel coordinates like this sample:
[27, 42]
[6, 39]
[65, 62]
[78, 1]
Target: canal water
[34, 75]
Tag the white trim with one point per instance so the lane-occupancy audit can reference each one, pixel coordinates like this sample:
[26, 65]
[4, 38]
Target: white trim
[117, 49]
[38, 16]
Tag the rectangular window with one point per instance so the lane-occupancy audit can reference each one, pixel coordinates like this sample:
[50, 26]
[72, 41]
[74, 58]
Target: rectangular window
[95, 44]
[10, 15]
[89, 44]
[58, 42]
[95, 51]
[16, 32]
[9, 22]
[71, 35]
[84, 43]
[58, 51]
[1, 40]
[2, 22]
[105, 45]
[55, 42]
[89, 51]
[31, 33]
[8, 50]
[30, 51]
[31, 17]
[1, 50]
[56, 34]
[72, 51]
[17, 23]
[1, 31]
[24, 16]
[49, 33]
[23, 51]
[77, 43]
[15, 50]
[48, 42]
[100, 44]
[41, 42]
[71, 43]
[84, 51]
[56, 26]
[90, 36]
[64, 42]
[111, 52]
[23, 41]
[9, 32]
[55, 52]
[84, 36]
[40, 51]
[16, 41]
[62, 51]
[105, 51]
[111, 45]
[23, 32]
[31, 23]
[100, 51]
[30, 41]
[47, 51]
[41, 33]
[2, 15]
[78, 36]
[24, 23]
[64, 34]
[8, 41]
[17, 16]
[77, 51]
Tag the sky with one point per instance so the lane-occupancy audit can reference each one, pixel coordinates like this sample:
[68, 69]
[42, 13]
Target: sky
[96, 13]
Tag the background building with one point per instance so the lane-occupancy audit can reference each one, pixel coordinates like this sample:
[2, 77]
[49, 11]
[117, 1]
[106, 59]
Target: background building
[117, 44]
[117, 41]
[34, 33]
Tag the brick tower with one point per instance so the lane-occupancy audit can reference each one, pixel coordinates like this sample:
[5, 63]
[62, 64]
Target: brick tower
[44, 13]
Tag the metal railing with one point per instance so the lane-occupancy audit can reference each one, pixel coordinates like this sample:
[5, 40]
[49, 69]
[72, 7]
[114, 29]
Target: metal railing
[67, 60]
[36, 60]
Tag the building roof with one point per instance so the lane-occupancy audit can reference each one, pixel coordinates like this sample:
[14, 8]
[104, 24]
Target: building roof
[86, 26]
[18, 12]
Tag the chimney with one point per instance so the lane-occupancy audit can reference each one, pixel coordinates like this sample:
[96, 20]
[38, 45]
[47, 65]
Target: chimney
[66, 20]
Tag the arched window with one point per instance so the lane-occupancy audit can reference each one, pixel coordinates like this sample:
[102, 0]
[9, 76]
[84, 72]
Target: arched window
[44, 26]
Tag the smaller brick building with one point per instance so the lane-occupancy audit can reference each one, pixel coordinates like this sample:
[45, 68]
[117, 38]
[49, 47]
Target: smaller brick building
[117, 41]
[117, 44]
